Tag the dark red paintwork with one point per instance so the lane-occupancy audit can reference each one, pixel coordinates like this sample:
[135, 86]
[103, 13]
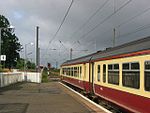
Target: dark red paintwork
[126, 100]
[131, 102]
[76, 82]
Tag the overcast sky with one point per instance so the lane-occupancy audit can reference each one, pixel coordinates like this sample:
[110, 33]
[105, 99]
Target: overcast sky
[88, 26]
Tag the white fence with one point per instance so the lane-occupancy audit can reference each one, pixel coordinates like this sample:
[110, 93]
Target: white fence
[32, 77]
[10, 78]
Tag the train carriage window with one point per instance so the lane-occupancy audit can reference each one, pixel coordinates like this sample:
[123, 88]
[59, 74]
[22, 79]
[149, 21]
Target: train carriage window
[131, 75]
[71, 70]
[80, 71]
[147, 75]
[75, 72]
[113, 74]
[63, 71]
[147, 65]
[126, 66]
[98, 73]
[135, 66]
[104, 73]
[110, 67]
[116, 66]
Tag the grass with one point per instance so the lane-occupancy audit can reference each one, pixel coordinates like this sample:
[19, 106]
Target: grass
[5, 70]
[54, 72]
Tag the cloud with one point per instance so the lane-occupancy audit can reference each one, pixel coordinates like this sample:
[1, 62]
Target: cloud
[25, 15]
[17, 15]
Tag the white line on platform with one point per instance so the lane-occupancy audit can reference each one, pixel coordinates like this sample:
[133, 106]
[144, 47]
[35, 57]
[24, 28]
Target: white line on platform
[97, 105]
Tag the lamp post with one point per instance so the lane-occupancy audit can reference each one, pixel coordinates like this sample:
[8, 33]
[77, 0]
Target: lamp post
[25, 59]
[9, 27]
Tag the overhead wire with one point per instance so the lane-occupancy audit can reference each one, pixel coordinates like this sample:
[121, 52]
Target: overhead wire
[139, 14]
[60, 26]
[108, 17]
[141, 28]
[128, 20]
[63, 45]
[132, 18]
[104, 21]
[136, 30]
[95, 14]
[61, 22]
[90, 18]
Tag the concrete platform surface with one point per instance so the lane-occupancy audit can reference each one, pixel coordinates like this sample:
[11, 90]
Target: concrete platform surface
[49, 97]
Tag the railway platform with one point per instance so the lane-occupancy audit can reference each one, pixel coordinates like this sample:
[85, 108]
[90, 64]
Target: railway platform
[50, 97]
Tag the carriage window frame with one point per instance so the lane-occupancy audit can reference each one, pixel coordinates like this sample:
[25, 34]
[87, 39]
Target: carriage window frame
[146, 77]
[131, 76]
[113, 74]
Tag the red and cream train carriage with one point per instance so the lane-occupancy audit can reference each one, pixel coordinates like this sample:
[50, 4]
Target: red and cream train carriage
[120, 75]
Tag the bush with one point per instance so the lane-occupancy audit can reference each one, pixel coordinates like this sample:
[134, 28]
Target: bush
[45, 75]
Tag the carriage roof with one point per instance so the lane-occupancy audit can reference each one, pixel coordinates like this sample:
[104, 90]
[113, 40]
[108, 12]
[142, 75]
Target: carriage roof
[131, 47]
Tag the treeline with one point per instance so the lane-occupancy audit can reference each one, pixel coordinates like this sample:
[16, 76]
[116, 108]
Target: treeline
[10, 46]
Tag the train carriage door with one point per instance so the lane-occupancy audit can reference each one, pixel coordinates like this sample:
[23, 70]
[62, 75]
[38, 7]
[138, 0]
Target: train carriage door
[91, 77]
[84, 76]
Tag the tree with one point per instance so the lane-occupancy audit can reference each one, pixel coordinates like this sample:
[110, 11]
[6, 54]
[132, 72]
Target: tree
[10, 45]
[30, 65]
[20, 64]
